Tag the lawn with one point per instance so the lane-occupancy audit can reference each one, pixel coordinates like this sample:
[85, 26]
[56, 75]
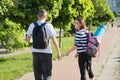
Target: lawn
[14, 66]
[67, 43]
[11, 67]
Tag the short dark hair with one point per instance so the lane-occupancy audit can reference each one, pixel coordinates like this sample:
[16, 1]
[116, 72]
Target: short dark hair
[41, 13]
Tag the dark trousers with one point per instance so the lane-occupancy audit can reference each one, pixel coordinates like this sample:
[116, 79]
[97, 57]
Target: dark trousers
[42, 65]
[84, 62]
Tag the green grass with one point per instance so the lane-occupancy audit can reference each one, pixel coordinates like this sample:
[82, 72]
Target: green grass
[11, 67]
[67, 43]
[14, 66]
[118, 59]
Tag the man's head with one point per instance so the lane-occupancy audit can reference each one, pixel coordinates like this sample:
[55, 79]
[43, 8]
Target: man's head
[42, 14]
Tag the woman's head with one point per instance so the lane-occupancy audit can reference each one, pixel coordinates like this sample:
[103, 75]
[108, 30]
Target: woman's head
[80, 24]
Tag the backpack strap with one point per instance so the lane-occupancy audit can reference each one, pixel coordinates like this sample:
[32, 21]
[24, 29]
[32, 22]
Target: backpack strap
[90, 34]
[36, 24]
[42, 25]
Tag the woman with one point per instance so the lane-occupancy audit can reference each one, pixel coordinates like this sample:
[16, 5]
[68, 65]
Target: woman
[80, 43]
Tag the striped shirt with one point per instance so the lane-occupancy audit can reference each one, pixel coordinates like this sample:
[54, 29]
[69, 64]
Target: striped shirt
[81, 40]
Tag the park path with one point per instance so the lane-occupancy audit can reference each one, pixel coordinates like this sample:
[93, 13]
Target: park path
[111, 70]
[67, 67]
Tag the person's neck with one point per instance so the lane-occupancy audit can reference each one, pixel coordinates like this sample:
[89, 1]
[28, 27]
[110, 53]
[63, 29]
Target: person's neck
[42, 20]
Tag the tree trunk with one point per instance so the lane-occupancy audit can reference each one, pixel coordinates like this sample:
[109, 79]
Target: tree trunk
[90, 27]
[60, 36]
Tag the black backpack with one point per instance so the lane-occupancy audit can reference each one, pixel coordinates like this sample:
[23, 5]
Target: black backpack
[40, 40]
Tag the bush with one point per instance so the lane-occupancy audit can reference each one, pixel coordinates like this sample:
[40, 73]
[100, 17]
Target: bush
[11, 36]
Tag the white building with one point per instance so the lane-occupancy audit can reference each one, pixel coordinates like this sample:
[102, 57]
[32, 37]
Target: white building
[114, 5]
[118, 5]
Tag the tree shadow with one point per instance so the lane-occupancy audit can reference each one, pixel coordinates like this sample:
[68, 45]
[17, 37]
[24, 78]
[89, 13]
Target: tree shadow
[4, 52]
[3, 59]
[118, 59]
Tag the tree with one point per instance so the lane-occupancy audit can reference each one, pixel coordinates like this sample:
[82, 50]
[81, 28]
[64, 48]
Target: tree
[11, 36]
[85, 9]
[65, 18]
[16, 15]
[26, 10]
[11, 33]
[66, 15]
[72, 9]
[5, 6]
[103, 12]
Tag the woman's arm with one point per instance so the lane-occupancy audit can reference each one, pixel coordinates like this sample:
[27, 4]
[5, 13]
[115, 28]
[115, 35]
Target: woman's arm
[71, 50]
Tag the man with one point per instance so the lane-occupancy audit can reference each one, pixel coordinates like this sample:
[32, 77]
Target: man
[42, 58]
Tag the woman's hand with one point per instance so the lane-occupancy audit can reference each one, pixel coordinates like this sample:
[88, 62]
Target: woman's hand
[76, 55]
[67, 54]
[72, 49]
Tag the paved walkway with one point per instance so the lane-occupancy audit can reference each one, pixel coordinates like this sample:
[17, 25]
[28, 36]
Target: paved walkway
[67, 67]
[111, 70]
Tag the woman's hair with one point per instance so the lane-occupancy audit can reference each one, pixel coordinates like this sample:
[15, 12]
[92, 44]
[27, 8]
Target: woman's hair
[82, 23]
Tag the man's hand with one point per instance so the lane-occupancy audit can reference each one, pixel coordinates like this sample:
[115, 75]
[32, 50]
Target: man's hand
[59, 56]
[28, 38]
[54, 40]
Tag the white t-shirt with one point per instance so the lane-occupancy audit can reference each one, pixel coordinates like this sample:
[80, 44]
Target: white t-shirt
[49, 31]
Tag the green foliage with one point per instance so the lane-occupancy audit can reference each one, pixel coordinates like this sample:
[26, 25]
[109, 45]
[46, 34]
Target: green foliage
[11, 36]
[72, 9]
[20, 14]
[5, 6]
[84, 9]
[107, 17]
[11, 33]
[27, 10]
[16, 15]
[103, 12]
[66, 15]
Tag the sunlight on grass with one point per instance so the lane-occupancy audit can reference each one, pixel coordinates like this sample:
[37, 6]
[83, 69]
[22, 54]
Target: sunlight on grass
[11, 67]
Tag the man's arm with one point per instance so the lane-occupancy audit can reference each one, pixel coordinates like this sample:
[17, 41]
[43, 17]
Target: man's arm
[54, 40]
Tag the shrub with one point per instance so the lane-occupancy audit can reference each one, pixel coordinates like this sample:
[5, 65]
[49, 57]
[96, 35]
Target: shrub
[11, 36]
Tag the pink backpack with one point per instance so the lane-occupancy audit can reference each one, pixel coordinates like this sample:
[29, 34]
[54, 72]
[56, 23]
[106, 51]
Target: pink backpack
[93, 45]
